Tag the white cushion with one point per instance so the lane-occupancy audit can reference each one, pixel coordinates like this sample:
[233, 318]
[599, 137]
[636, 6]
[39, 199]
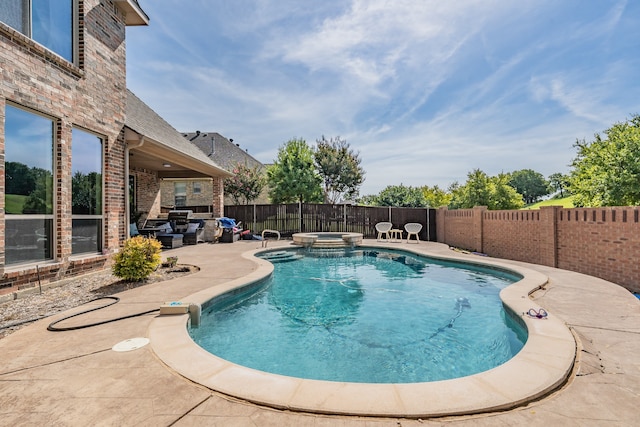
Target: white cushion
[193, 227]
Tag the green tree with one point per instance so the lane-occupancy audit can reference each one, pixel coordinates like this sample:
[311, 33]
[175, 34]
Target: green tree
[483, 190]
[40, 200]
[559, 182]
[339, 167]
[86, 195]
[503, 195]
[401, 196]
[246, 183]
[435, 196]
[368, 200]
[606, 171]
[531, 184]
[293, 177]
[475, 192]
[19, 179]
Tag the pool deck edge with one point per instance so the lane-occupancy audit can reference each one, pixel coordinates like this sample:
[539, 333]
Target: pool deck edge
[544, 364]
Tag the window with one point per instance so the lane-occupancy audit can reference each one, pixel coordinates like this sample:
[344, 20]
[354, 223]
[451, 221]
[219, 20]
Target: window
[86, 192]
[197, 187]
[49, 22]
[180, 193]
[29, 186]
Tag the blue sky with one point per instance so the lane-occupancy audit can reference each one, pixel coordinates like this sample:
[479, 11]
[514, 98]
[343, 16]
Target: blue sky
[425, 90]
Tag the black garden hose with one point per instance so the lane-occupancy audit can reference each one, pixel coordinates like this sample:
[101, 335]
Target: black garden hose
[53, 328]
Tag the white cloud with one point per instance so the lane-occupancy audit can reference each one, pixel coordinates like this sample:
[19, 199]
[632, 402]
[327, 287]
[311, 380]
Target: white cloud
[426, 91]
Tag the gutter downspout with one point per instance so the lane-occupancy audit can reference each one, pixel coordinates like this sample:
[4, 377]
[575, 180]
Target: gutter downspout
[127, 209]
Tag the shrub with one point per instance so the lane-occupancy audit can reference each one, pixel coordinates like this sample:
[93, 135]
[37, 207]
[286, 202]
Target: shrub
[139, 257]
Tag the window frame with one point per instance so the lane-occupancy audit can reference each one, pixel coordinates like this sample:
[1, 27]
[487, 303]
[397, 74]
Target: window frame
[27, 28]
[50, 251]
[100, 217]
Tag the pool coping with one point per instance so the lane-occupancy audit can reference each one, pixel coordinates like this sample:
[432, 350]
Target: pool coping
[542, 366]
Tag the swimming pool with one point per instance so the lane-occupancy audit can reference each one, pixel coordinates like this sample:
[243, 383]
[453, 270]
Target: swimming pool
[542, 366]
[365, 315]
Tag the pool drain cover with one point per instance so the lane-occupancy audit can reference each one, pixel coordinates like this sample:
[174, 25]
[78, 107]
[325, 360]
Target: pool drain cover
[130, 344]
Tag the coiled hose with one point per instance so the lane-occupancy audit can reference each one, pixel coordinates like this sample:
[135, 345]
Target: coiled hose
[54, 328]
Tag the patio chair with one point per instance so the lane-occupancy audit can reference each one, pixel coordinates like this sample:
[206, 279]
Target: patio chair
[383, 229]
[133, 230]
[413, 229]
[194, 233]
[179, 219]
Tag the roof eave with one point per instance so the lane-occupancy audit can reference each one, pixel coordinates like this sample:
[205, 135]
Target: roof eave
[161, 150]
[134, 15]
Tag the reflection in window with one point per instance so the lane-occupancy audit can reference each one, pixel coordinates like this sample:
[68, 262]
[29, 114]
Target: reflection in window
[29, 186]
[86, 192]
[49, 22]
[180, 193]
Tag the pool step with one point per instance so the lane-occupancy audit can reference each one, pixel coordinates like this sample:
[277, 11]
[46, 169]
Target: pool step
[281, 256]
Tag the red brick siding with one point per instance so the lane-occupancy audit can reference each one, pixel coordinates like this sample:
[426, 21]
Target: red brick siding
[90, 94]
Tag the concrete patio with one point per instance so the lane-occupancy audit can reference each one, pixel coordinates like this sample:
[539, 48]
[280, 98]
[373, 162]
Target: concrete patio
[75, 378]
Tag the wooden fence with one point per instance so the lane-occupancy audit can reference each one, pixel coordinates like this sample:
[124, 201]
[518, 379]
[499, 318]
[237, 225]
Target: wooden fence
[304, 217]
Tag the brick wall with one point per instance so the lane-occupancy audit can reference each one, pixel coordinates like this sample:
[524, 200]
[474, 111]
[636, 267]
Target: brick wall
[602, 242]
[147, 193]
[89, 94]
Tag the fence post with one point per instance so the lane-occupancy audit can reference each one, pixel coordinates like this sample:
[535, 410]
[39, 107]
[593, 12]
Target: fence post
[549, 235]
[344, 217]
[428, 232]
[478, 214]
[390, 214]
[300, 217]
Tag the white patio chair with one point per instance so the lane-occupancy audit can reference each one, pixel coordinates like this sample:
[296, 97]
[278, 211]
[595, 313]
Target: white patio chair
[383, 229]
[412, 229]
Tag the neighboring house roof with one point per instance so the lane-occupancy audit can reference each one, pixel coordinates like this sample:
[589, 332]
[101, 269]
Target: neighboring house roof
[223, 150]
[163, 141]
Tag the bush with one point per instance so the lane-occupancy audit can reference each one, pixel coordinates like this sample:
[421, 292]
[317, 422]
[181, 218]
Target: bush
[139, 257]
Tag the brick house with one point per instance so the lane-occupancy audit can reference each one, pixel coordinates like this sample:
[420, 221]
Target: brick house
[69, 133]
[197, 192]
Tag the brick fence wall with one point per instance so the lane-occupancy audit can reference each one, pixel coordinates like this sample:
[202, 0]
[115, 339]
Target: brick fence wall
[601, 242]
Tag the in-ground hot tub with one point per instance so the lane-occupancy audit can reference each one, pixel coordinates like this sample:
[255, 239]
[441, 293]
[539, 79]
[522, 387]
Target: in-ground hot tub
[327, 239]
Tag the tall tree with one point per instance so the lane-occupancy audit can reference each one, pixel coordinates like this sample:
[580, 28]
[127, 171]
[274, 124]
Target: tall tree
[606, 171]
[339, 167]
[293, 177]
[503, 195]
[246, 183]
[475, 192]
[559, 182]
[531, 184]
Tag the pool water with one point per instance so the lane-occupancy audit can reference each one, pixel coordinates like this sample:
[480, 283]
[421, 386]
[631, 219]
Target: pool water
[365, 315]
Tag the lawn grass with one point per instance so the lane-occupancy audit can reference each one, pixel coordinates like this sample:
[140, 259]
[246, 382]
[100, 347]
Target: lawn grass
[565, 202]
[14, 203]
